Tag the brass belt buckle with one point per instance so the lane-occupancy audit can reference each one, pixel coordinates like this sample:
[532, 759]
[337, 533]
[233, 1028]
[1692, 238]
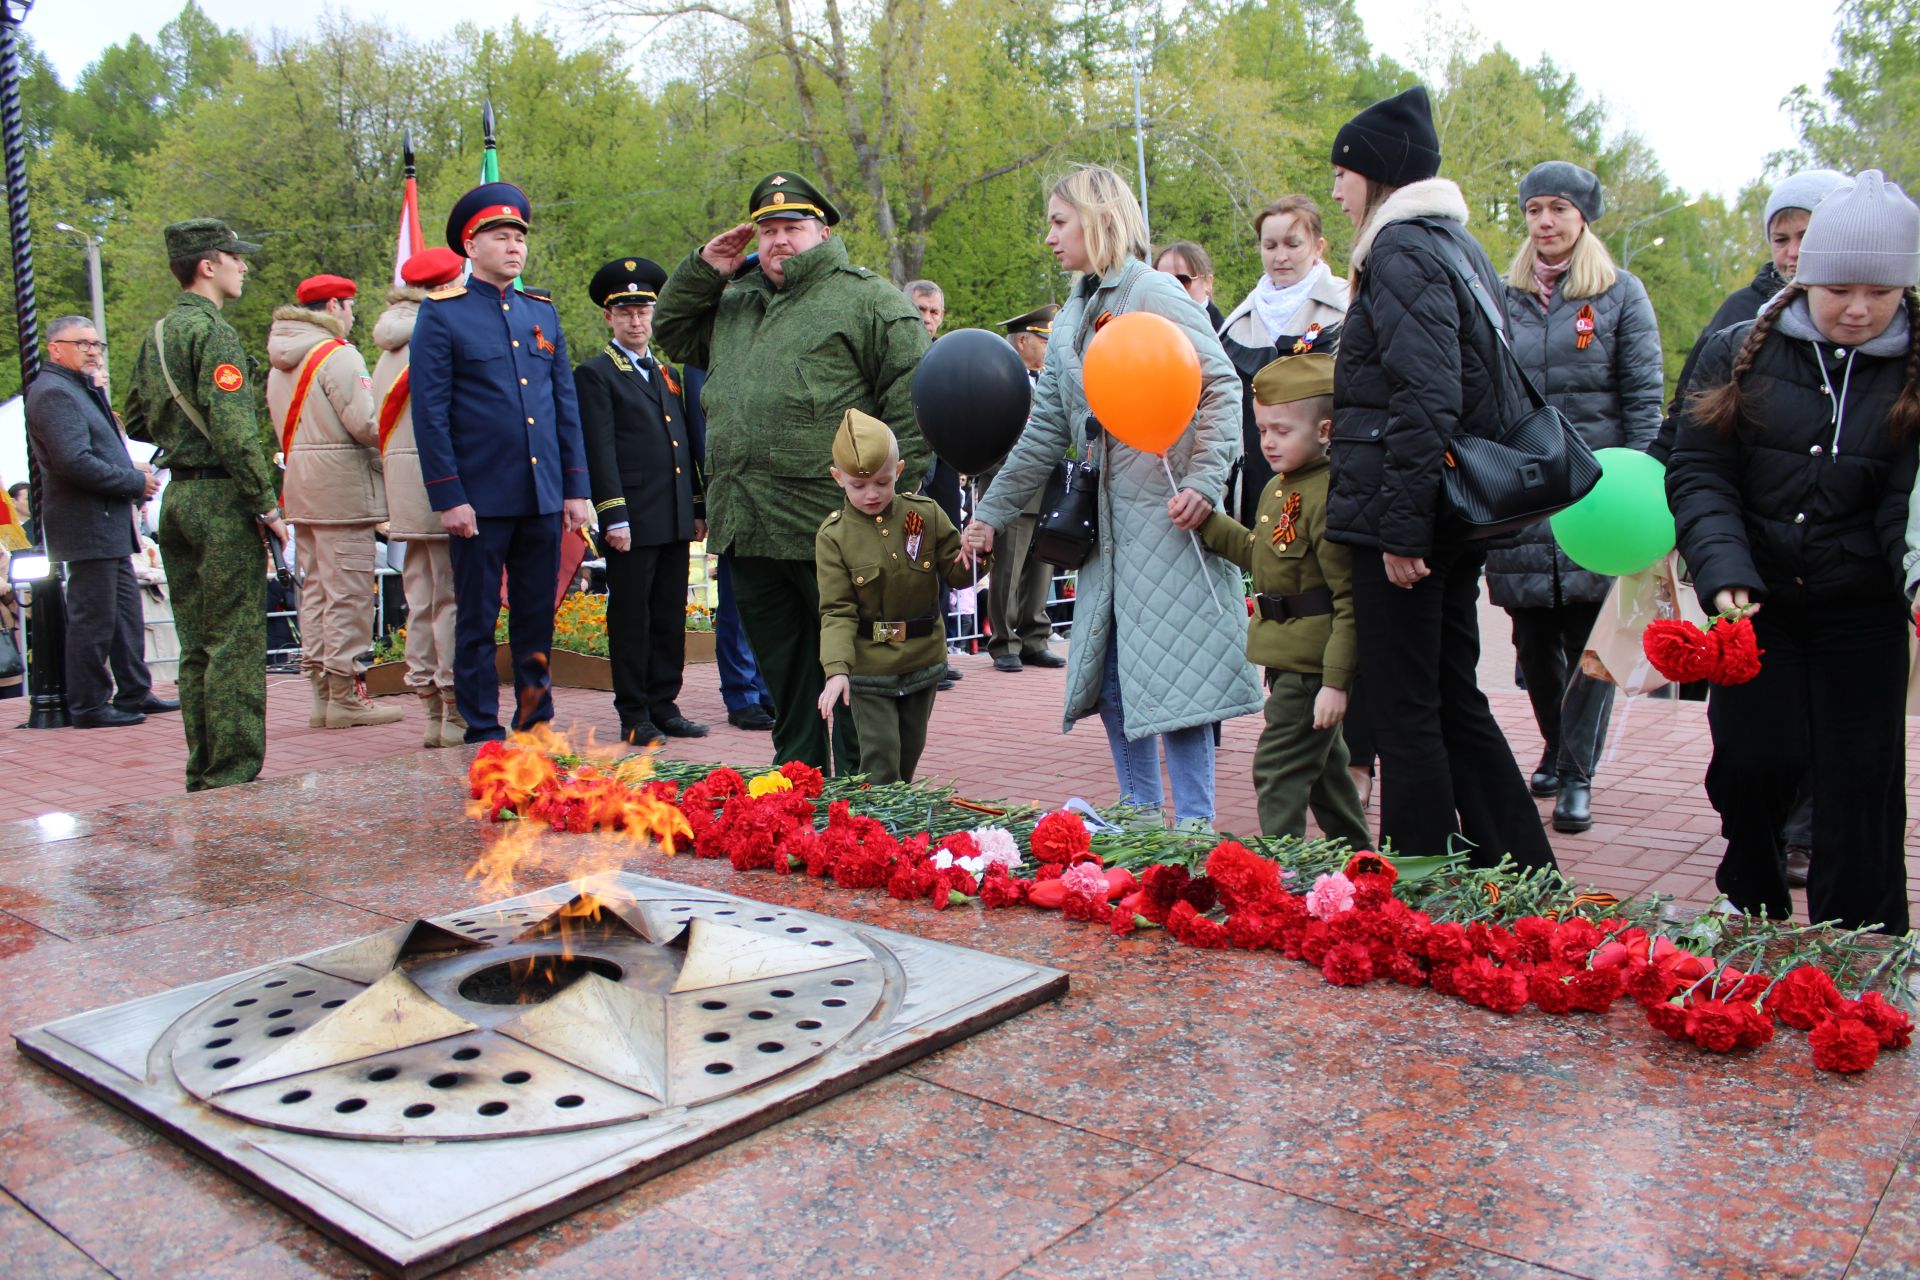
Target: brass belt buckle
[890, 632]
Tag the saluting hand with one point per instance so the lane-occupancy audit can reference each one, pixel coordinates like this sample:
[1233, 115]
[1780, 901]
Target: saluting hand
[725, 252]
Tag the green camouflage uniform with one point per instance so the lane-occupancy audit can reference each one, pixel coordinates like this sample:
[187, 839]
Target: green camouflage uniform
[874, 569]
[209, 534]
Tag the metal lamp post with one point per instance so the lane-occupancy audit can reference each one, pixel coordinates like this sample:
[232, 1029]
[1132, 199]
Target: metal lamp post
[47, 630]
[92, 245]
[1626, 237]
[1654, 243]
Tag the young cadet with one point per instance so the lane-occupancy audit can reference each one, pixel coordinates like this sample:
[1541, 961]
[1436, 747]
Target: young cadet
[884, 562]
[1302, 630]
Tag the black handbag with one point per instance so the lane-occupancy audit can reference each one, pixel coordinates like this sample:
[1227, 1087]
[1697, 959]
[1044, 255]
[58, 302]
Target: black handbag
[11, 663]
[1069, 520]
[1537, 465]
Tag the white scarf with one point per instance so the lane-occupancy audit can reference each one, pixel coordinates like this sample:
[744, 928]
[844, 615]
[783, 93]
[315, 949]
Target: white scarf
[1276, 305]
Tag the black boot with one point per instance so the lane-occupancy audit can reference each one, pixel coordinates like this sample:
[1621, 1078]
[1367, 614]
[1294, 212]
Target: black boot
[1573, 811]
[1546, 779]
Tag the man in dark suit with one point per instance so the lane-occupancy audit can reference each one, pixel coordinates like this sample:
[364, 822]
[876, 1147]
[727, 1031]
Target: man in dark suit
[88, 488]
[648, 496]
[498, 430]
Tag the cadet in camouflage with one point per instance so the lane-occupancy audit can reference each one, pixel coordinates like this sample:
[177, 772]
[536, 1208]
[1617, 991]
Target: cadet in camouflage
[190, 395]
[883, 562]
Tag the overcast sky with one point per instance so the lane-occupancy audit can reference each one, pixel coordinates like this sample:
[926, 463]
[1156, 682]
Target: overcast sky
[1702, 80]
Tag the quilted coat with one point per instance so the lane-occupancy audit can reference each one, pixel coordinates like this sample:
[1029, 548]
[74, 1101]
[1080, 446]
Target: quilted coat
[1609, 390]
[1181, 658]
[413, 517]
[333, 470]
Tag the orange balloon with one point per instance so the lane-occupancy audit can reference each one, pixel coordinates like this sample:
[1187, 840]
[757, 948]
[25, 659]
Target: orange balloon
[1142, 378]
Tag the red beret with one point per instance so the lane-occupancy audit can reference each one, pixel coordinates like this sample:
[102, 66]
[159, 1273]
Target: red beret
[323, 288]
[432, 267]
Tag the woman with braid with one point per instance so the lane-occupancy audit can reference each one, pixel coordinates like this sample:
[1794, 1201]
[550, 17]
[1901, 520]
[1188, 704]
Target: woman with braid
[1789, 481]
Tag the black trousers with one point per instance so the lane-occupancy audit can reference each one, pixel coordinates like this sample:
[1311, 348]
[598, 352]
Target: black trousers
[1830, 697]
[647, 630]
[779, 603]
[527, 548]
[1445, 768]
[1571, 707]
[106, 636]
[942, 484]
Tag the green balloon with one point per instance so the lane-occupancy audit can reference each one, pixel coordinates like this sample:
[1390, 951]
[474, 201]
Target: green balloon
[1624, 525]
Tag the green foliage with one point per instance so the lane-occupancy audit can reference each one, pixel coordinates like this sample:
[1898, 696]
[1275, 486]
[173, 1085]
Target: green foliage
[1868, 114]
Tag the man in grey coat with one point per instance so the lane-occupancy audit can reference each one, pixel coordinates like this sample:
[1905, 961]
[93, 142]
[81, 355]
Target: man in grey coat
[88, 489]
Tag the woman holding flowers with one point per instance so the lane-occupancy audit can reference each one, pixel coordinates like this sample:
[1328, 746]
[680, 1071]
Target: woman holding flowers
[1789, 482]
[1154, 656]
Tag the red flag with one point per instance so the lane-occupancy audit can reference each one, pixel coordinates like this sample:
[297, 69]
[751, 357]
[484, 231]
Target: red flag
[409, 241]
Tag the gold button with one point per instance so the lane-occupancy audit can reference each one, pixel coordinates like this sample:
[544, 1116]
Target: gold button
[667, 416]
[1263, 519]
[676, 471]
[534, 461]
[516, 342]
[860, 582]
[885, 532]
[926, 564]
[523, 382]
[896, 555]
[529, 421]
[505, 307]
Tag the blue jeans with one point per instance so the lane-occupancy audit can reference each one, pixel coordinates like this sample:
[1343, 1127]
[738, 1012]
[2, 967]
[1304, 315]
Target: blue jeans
[740, 683]
[1136, 761]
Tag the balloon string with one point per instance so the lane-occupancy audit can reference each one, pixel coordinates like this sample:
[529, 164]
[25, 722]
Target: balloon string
[1194, 534]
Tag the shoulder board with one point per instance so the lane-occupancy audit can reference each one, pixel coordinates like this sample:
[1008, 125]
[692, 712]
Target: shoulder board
[534, 297]
[831, 517]
[451, 291]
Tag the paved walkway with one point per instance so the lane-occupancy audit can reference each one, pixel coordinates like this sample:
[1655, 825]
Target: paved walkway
[995, 736]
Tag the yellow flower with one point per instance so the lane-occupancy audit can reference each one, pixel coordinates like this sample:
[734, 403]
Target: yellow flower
[768, 783]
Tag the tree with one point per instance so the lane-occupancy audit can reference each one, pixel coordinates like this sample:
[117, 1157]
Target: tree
[1868, 113]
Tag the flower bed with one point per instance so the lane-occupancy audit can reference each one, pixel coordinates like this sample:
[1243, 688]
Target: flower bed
[1501, 938]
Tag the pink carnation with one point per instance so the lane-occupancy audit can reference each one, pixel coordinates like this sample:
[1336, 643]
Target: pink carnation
[1085, 878]
[997, 847]
[1331, 894]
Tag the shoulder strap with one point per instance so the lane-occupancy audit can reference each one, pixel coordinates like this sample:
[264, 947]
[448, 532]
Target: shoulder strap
[1456, 260]
[392, 403]
[160, 353]
[321, 353]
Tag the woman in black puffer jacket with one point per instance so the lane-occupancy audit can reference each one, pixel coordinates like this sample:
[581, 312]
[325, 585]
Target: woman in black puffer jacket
[1419, 364]
[1583, 330]
[1789, 484]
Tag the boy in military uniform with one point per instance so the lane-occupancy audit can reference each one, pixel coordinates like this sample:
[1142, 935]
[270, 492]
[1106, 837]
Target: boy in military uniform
[1302, 630]
[884, 562]
[190, 396]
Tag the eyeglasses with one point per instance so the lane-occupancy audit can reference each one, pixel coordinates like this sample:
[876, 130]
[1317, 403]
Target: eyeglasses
[1186, 281]
[85, 344]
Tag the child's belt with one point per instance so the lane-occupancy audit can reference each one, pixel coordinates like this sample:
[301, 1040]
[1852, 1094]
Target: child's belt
[1307, 604]
[912, 628]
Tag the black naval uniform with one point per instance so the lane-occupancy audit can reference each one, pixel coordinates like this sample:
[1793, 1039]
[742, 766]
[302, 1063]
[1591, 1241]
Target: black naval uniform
[643, 474]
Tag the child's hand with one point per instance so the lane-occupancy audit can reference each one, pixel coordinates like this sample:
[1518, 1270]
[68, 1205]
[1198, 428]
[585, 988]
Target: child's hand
[1738, 601]
[1329, 707]
[1188, 510]
[839, 690]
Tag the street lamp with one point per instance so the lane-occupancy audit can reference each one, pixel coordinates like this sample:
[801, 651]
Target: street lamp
[1626, 237]
[1651, 244]
[1139, 117]
[92, 244]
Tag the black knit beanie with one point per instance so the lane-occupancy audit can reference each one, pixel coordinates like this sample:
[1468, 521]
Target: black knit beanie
[1392, 142]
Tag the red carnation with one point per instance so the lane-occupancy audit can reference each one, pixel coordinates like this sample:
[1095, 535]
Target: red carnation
[1548, 989]
[806, 779]
[1669, 1019]
[1680, 651]
[1059, 838]
[1244, 878]
[1408, 971]
[1756, 1027]
[1087, 906]
[1347, 965]
[1123, 922]
[1803, 997]
[1576, 939]
[1447, 943]
[1843, 1044]
[1534, 934]
[1739, 651]
[1194, 929]
[1713, 1025]
[1652, 984]
[1002, 890]
[1201, 892]
[1595, 990]
[1893, 1027]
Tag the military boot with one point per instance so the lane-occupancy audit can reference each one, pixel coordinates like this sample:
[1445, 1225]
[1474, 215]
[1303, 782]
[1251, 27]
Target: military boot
[430, 699]
[317, 718]
[348, 708]
[453, 726]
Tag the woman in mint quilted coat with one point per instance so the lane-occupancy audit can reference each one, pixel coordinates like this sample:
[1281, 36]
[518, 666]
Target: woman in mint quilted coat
[1155, 652]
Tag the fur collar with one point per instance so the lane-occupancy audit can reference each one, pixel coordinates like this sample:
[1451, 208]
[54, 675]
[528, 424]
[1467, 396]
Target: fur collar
[1429, 198]
[405, 293]
[333, 324]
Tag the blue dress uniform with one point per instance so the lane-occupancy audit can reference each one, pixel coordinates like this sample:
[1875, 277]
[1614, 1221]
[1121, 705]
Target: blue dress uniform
[498, 428]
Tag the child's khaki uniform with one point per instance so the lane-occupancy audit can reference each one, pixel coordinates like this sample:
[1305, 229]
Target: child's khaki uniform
[882, 579]
[1302, 632]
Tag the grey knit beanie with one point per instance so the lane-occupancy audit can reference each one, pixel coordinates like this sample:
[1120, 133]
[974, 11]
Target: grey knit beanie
[1804, 190]
[1577, 186]
[1867, 232]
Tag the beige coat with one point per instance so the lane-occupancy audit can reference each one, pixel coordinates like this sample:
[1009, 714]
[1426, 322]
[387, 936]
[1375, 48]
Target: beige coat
[333, 470]
[413, 517]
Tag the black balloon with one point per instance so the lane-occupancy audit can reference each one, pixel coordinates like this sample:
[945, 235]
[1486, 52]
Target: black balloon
[971, 395]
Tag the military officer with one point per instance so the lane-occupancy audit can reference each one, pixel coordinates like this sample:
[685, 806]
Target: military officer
[498, 429]
[190, 395]
[790, 339]
[884, 562]
[1017, 593]
[647, 495]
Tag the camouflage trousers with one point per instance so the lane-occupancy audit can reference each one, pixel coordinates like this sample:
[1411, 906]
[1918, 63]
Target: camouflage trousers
[216, 572]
